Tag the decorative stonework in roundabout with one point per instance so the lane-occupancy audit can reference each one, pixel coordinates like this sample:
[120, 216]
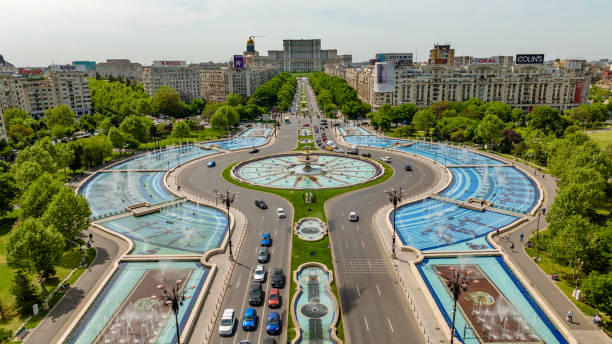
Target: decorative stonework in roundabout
[310, 229]
[307, 171]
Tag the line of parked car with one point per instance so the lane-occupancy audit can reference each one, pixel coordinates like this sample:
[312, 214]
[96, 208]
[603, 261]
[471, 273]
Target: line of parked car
[256, 296]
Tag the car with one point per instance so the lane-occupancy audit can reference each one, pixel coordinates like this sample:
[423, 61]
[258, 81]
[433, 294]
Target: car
[278, 278]
[249, 320]
[255, 294]
[274, 298]
[338, 150]
[353, 151]
[211, 164]
[306, 125]
[385, 159]
[249, 125]
[366, 154]
[266, 239]
[228, 322]
[254, 150]
[261, 204]
[273, 324]
[280, 212]
[260, 274]
[408, 167]
[353, 216]
[329, 148]
[245, 342]
[264, 255]
[336, 124]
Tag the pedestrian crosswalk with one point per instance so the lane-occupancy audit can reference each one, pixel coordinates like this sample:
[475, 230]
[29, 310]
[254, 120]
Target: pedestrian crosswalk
[363, 266]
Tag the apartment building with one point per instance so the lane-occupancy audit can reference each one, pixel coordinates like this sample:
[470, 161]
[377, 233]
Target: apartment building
[178, 75]
[218, 83]
[120, 68]
[524, 85]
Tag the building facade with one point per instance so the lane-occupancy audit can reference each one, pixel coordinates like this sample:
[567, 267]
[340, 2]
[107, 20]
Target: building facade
[175, 74]
[218, 83]
[442, 54]
[36, 91]
[520, 86]
[120, 68]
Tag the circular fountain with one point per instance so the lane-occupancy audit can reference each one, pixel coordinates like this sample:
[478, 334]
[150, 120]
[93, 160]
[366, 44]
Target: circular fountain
[307, 171]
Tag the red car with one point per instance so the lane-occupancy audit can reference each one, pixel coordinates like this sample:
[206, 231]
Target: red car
[275, 299]
[306, 125]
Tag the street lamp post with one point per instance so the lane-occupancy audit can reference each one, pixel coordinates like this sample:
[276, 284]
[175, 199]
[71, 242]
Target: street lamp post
[457, 282]
[538, 236]
[227, 198]
[174, 297]
[395, 196]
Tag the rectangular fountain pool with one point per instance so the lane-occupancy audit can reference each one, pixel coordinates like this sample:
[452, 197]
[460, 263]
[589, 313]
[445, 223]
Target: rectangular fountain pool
[435, 225]
[256, 132]
[125, 312]
[447, 155]
[164, 159]
[352, 131]
[184, 228]
[373, 141]
[495, 308]
[239, 142]
[109, 193]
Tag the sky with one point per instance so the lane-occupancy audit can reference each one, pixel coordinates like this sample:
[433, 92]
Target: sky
[43, 32]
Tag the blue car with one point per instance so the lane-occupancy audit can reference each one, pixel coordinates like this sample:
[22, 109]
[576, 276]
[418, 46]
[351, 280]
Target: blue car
[212, 164]
[266, 239]
[273, 324]
[249, 320]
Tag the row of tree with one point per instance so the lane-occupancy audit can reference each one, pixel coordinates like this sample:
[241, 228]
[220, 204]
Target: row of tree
[335, 94]
[276, 92]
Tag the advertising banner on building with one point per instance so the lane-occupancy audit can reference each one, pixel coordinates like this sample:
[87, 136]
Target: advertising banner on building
[238, 61]
[438, 61]
[384, 77]
[483, 60]
[67, 68]
[30, 71]
[174, 64]
[529, 58]
[578, 92]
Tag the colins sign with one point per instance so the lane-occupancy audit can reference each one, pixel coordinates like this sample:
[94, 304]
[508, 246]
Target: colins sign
[529, 58]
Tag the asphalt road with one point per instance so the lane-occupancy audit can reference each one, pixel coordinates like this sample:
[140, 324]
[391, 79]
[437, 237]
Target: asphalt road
[202, 180]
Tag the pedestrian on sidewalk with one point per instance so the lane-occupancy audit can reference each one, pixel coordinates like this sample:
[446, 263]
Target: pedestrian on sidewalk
[507, 237]
[512, 246]
[522, 236]
[570, 317]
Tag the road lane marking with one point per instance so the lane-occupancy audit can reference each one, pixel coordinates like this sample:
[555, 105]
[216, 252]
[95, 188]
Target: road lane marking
[238, 282]
[377, 288]
[358, 292]
[357, 228]
[369, 263]
[342, 226]
[391, 326]
[371, 202]
[362, 243]
[366, 323]
[346, 243]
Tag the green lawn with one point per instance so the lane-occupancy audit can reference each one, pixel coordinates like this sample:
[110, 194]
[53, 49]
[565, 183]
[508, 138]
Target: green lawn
[301, 250]
[567, 284]
[70, 261]
[602, 138]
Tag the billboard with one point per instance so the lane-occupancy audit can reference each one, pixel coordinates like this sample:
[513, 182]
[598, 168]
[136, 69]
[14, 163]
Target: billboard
[529, 58]
[238, 61]
[67, 68]
[384, 77]
[438, 61]
[578, 92]
[483, 60]
[30, 71]
[174, 64]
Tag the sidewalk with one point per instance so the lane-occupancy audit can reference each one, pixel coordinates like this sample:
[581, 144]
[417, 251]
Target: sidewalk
[108, 251]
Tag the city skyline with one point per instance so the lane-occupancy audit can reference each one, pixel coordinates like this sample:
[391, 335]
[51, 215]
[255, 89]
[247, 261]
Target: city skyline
[215, 30]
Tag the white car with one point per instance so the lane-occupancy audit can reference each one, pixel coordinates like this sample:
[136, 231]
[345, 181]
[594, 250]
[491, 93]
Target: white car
[353, 216]
[386, 159]
[228, 322]
[260, 274]
[280, 212]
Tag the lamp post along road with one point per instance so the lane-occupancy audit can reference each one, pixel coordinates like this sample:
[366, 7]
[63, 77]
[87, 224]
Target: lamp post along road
[227, 198]
[174, 297]
[538, 236]
[457, 282]
[395, 196]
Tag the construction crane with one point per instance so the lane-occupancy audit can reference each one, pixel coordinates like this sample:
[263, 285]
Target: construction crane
[251, 37]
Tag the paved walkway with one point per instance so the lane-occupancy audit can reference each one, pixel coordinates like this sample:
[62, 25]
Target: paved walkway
[53, 326]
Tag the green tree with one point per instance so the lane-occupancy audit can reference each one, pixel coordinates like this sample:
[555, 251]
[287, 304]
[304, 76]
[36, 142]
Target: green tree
[96, 149]
[38, 154]
[19, 132]
[137, 126]
[423, 120]
[168, 102]
[39, 194]
[181, 129]
[77, 155]
[87, 123]
[597, 289]
[60, 115]
[219, 121]
[598, 112]
[116, 137]
[569, 245]
[68, 212]
[229, 113]
[35, 248]
[26, 173]
[233, 99]
[106, 125]
[25, 293]
[499, 109]
[548, 120]
[490, 128]
[8, 192]
[14, 116]
[63, 156]
[403, 113]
